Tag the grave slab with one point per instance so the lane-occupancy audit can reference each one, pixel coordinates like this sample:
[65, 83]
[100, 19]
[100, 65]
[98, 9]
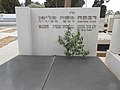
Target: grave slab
[81, 74]
[25, 73]
[56, 73]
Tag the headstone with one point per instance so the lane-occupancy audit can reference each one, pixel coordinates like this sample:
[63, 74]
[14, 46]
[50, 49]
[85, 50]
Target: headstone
[115, 39]
[110, 23]
[112, 56]
[117, 16]
[39, 28]
[101, 25]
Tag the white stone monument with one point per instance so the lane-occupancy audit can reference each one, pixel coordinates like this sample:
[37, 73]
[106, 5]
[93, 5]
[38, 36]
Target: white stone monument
[115, 40]
[101, 24]
[112, 57]
[39, 28]
[110, 23]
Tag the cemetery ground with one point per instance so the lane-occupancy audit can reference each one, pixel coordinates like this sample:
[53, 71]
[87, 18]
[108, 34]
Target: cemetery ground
[8, 44]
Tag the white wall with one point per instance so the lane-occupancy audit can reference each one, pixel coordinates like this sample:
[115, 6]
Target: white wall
[115, 39]
[101, 24]
[113, 62]
[110, 23]
[112, 57]
[24, 30]
[43, 41]
[7, 15]
[7, 19]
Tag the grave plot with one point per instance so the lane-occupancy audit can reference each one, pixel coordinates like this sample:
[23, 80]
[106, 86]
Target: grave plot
[56, 73]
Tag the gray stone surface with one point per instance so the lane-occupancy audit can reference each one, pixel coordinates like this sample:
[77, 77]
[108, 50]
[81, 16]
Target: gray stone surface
[25, 73]
[81, 74]
[56, 73]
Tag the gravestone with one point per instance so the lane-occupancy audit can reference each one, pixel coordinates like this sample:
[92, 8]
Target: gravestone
[39, 28]
[111, 21]
[112, 56]
[101, 25]
[115, 40]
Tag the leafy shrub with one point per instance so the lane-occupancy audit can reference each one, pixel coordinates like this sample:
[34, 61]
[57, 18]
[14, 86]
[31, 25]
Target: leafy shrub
[73, 43]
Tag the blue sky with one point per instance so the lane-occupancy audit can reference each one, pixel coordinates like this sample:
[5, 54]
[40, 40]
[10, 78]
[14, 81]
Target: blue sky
[112, 5]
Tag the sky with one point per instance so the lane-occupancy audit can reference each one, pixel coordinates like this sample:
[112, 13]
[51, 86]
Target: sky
[112, 5]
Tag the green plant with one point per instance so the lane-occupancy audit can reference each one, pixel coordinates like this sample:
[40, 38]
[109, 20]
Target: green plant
[73, 43]
[36, 6]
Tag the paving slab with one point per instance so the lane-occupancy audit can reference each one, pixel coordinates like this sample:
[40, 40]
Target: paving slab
[78, 73]
[25, 73]
[9, 51]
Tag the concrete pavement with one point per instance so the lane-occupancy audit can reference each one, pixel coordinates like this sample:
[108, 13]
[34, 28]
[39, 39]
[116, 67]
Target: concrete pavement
[9, 51]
